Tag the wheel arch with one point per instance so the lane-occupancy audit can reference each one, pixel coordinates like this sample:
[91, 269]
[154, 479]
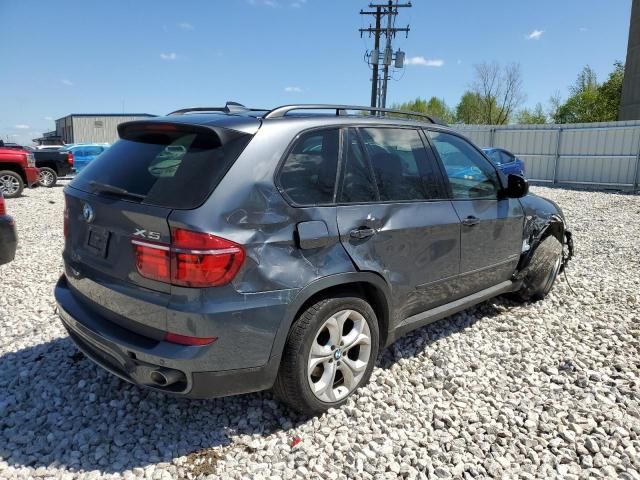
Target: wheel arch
[555, 226]
[370, 285]
[52, 165]
[15, 169]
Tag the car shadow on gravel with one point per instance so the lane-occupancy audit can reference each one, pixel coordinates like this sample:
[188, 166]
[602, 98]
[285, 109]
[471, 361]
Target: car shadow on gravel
[417, 341]
[57, 408]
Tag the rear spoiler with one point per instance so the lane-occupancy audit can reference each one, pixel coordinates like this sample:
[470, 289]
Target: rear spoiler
[129, 130]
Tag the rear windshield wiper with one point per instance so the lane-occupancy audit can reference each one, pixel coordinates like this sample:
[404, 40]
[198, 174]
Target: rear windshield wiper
[106, 188]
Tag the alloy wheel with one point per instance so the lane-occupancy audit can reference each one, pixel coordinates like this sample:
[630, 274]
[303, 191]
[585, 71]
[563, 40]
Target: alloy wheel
[9, 184]
[339, 356]
[45, 178]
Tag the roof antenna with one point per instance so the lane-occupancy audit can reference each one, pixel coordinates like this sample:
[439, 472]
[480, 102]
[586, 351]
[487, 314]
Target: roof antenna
[235, 107]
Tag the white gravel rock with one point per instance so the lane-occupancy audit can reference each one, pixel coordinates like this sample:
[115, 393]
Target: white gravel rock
[544, 390]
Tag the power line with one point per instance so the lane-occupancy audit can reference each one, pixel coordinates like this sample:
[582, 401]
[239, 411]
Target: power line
[387, 57]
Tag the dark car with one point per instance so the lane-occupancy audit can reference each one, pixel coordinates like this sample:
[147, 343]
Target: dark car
[8, 236]
[53, 163]
[218, 251]
[505, 160]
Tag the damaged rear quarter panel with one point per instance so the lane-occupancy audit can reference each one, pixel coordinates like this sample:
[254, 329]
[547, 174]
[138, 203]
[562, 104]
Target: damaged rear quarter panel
[248, 209]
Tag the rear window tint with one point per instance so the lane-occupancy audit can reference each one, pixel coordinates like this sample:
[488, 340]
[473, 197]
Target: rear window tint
[308, 175]
[358, 184]
[399, 161]
[175, 169]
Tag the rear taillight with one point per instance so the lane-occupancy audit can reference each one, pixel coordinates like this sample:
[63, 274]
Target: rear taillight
[153, 260]
[201, 259]
[70, 158]
[194, 259]
[3, 208]
[31, 160]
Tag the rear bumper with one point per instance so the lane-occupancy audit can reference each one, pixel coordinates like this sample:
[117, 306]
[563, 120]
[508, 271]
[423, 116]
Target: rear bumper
[134, 357]
[32, 176]
[8, 239]
[64, 169]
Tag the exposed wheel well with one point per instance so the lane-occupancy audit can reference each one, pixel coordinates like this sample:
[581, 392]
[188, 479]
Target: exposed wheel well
[556, 229]
[12, 167]
[366, 290]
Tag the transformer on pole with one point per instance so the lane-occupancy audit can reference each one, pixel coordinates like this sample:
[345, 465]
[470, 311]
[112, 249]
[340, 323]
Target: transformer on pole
[385, 57]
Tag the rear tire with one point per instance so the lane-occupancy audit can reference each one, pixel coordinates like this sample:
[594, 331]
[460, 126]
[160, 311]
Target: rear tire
[47, 177]
[11, 184]
[330, 353]
[542, 271]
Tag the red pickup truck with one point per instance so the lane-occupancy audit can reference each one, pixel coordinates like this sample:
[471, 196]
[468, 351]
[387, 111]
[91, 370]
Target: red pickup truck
[17, 169]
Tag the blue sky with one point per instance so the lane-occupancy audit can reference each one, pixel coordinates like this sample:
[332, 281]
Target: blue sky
[66, 56]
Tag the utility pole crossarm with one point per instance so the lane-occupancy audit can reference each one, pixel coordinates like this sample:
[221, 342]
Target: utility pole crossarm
[386, 5]
[392, 30]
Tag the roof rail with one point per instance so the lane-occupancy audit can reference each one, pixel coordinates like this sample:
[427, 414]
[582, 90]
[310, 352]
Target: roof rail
[230, 107]
[280, 112]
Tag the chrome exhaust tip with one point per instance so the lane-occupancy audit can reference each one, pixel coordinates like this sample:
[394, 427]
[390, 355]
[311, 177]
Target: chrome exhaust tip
[163, 377]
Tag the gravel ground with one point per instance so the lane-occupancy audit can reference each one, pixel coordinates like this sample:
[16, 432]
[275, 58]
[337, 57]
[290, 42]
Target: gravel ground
[550, 389]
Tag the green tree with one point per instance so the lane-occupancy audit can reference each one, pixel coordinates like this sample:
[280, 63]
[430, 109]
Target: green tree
[434, 106]
[611, 93]
[591, 101]
[469, 109]
[532, 117]
[587, 80]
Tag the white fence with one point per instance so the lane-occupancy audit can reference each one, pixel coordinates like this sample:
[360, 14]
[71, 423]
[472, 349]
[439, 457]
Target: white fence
[601, 154]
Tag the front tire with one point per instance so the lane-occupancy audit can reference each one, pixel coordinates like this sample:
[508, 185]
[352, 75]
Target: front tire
[47, 177]
[11, 184]
[330, 353]
[542, 271]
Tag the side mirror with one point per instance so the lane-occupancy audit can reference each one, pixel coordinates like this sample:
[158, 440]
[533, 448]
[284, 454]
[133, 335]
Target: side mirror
[517, 186]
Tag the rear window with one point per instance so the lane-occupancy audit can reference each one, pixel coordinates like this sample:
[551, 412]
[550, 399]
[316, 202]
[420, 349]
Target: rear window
[168, 168]
[308, 175]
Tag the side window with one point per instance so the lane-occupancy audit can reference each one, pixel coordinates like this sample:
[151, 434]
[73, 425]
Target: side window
[470, 174]
[495, 157]
[308, 175]
[505, 157]
[357, 184]
[399, 162]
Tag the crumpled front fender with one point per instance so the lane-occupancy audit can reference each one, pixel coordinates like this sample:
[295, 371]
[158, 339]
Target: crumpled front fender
[542, 218]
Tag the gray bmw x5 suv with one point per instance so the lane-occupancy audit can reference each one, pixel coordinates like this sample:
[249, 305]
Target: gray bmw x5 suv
[219, 251]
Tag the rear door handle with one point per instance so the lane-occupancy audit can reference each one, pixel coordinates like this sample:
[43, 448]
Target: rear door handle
[470, 221]
[361, 233]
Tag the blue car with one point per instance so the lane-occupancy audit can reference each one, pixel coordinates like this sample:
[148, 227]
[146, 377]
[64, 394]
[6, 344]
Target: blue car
[507, 161]
[85, 154]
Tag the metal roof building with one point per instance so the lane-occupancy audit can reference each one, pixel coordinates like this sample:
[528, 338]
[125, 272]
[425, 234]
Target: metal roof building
[93, 127]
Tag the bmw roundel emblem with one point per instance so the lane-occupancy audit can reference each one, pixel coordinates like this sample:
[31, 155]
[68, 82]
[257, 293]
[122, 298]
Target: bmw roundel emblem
[88, 213]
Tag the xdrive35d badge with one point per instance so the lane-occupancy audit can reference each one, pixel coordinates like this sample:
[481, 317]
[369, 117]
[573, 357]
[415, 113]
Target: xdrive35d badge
[242, 249]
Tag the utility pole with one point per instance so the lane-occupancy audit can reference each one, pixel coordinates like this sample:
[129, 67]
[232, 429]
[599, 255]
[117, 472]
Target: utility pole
[390, 10]
[376, 48]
